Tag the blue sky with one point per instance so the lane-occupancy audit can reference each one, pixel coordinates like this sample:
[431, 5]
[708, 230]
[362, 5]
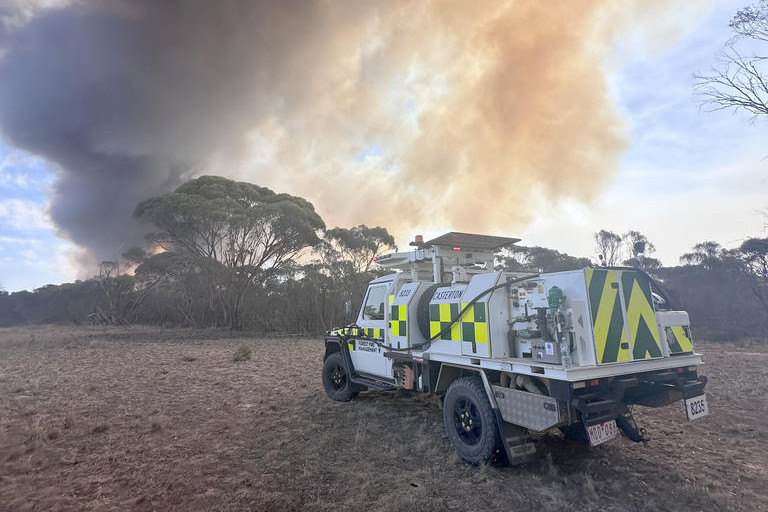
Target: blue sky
[30, 253]
[687, 176]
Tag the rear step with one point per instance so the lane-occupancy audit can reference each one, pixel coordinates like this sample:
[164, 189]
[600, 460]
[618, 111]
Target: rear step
[597, 410]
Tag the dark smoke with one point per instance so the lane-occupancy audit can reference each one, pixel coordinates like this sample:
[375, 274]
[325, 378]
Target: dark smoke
[129, 98]
[405, 113]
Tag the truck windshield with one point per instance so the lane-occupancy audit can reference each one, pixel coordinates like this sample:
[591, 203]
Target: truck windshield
[374, 303]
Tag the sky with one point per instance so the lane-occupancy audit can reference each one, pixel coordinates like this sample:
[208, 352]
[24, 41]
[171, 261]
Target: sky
[689, 174]
[663, 164]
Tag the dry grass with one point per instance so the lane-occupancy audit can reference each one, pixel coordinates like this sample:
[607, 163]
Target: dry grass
[149, 419]
[243, 353]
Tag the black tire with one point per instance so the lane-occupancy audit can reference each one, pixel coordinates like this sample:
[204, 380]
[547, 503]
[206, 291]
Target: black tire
[422, 310]
[336, 380]
[470, 422]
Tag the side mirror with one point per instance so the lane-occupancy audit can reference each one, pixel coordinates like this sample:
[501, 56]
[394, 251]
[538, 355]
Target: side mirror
[348, 311]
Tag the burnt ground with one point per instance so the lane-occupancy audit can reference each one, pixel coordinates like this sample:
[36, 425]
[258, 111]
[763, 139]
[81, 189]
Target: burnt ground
[148, 419]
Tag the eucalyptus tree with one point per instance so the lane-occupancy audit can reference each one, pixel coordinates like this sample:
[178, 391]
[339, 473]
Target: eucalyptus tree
[640, 250]
[706, 254]
[356, 247]
[519, 257]
[608, 245]
[754, 252]
[235, 234]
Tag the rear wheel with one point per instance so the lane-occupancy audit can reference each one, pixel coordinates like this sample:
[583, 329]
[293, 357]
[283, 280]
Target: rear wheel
[469, 421]
[336, 381]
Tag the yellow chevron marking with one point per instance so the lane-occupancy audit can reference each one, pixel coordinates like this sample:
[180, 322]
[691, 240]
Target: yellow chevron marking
[602, 325]
[682, 339]
[638, 308]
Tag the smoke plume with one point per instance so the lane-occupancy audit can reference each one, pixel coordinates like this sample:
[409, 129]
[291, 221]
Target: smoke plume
[448, 114]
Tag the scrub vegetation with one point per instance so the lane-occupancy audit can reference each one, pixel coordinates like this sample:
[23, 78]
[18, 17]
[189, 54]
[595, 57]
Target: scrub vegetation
[234, 255]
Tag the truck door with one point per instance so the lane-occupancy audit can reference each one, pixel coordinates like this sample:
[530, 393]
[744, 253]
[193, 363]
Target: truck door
[367, 356]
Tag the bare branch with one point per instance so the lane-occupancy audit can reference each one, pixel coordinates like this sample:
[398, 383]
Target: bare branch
[739, 82]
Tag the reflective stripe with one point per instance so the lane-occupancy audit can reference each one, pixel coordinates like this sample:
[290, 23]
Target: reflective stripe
[372, 333]
[679, 339]
[607, 316]
[643, 332]
[376, 334]
[440, 316]
[474, 323]
[398, 324]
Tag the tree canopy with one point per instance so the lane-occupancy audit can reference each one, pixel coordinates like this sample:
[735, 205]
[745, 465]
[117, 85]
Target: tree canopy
[356, 247]
[519, 257]
[236, 233]
[608, 245]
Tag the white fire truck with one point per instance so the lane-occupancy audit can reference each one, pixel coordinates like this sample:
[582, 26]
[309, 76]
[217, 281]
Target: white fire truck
[512, 353]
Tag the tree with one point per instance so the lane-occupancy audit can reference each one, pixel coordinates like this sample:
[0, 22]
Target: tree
[705, 254]
[235, 234]
[740, 81]
[518, 257]
[608, 245]
[115, 291]
[640, 249]
[168, 286]
[356, 246]
[754, 252]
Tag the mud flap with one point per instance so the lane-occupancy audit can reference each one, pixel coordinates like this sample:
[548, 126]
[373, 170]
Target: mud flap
[517, 443]
[627, 424]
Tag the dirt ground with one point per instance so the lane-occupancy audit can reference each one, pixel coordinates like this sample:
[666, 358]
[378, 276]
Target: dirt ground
[149, 419]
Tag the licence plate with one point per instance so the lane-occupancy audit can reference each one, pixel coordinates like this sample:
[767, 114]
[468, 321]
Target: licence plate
[696, 407]
[602, 432]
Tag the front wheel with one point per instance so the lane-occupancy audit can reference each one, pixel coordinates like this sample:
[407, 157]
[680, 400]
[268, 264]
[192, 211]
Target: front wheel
[470, 422]
[336, 381]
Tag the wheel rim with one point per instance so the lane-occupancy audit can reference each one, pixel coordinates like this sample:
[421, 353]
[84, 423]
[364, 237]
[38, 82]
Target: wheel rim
[337, 376]
[467, 421]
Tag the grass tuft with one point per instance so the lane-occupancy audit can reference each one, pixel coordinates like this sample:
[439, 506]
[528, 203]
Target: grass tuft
[243, 353]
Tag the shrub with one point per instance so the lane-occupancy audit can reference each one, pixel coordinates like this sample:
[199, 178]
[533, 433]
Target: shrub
[243, 353]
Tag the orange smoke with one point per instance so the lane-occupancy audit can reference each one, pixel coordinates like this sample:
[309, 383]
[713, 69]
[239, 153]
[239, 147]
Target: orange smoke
[455, 115]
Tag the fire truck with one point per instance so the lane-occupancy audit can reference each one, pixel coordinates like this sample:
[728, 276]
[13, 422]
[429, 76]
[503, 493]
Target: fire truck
[515, 353]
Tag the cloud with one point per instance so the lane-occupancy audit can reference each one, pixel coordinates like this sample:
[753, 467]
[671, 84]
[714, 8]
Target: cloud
[20, 170]
[23, 215]
[36, 259]
[12, 179]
